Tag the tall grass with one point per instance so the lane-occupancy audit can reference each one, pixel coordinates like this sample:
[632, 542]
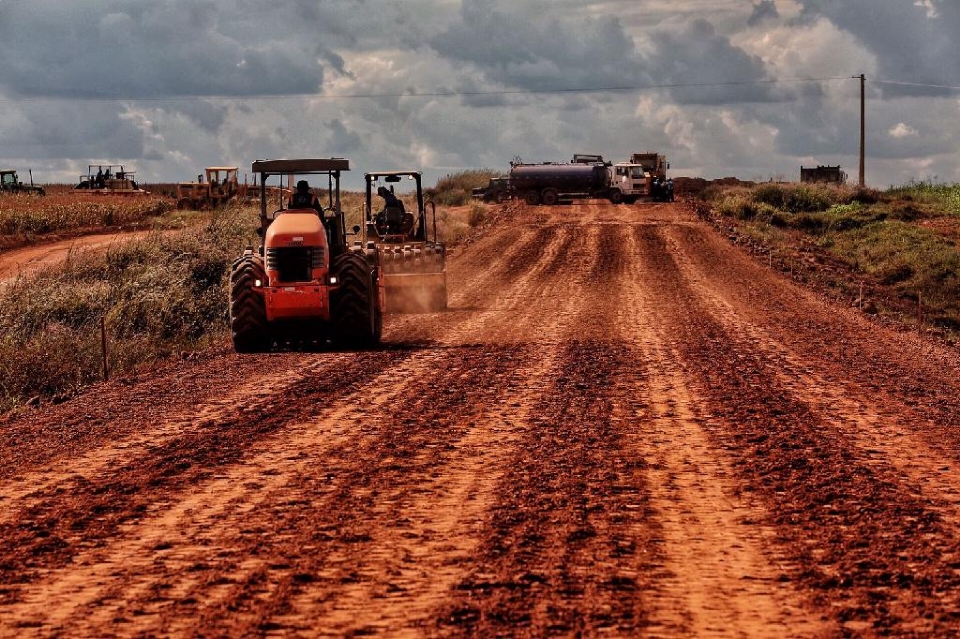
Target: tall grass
[159, 295]
[944, 195]
[31, 215]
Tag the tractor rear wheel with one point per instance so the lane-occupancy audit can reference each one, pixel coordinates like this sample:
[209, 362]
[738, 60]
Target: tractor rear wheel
[248, 312]
[354, 306]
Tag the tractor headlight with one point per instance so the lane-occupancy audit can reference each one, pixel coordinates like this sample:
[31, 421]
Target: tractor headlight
[257, 283]
[332, 280]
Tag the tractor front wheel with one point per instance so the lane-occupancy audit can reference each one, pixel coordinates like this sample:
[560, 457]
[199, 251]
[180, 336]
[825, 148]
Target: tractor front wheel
[248, 312]
[354, 306]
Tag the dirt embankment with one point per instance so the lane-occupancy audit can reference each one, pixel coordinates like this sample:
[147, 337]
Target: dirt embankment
[622, 425]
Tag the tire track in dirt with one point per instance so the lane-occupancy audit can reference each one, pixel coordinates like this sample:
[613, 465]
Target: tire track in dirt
[900, 372]
[95, 464]
[722, 573]
[565, 550]
[48, 532]
[854, 530]
[566, 547]
[890, 432]
[285, 477]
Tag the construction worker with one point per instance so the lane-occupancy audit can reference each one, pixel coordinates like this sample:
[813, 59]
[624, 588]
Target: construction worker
[304, 199]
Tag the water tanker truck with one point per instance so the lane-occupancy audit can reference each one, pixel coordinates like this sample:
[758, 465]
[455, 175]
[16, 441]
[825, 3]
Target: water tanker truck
[549, 183]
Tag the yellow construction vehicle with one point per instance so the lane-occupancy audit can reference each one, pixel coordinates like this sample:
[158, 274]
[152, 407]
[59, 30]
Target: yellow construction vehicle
[220, 187]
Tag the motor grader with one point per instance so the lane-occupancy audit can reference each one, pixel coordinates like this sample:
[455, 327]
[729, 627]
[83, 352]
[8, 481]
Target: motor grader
[305, 285]
[413, 261]
[220, 187]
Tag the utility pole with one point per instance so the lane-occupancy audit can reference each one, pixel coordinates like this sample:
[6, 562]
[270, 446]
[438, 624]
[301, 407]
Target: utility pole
[863, 127]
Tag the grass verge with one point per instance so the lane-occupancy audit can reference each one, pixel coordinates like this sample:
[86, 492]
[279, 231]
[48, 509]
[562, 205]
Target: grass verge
[899, 245]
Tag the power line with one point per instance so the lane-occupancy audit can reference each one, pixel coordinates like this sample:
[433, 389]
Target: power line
[429, 94]
[917, 84]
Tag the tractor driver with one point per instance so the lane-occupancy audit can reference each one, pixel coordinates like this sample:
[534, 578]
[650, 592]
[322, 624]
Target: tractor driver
[389, 199]
[304, 199]
[393, 218]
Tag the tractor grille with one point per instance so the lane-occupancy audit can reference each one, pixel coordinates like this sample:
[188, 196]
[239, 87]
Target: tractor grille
[294, 263]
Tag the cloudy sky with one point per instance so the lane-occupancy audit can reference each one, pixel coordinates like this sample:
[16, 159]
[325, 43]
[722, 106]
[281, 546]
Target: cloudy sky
[746, 88]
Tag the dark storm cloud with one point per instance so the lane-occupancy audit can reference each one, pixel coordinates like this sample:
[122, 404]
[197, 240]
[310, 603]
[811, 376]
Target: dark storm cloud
[113, 49]
[699, 55]
[764, 10]
[209, 116]
[913, 41]
[74, 131]
[542, 50]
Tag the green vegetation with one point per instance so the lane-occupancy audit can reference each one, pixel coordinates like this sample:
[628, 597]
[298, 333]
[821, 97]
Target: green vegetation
[456, 189]
[158, 296]
[946, 196]
[901, 242]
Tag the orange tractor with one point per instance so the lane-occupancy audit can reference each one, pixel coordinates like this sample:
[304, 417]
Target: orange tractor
[414, 262]
[305, 285]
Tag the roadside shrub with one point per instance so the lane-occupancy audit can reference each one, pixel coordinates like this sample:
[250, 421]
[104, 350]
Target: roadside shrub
[944, 196]
[477, 214]
[159, 295]
[806, 199]
[772, 194]
[456, 189]
[858, 195]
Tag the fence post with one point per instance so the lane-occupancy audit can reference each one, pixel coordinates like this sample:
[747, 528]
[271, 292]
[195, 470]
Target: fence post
[103, 345]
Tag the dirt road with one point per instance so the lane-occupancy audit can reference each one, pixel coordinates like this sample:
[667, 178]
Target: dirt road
[29, 259]
[623, 426]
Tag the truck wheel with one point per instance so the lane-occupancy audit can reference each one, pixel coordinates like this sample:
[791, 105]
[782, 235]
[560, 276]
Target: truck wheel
[354, 308]
[616, 197]
[248, 312]
[549, 197]
[532, 198]
[183, 204]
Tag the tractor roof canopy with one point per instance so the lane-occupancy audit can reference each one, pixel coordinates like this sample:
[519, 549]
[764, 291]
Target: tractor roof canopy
[304, 166]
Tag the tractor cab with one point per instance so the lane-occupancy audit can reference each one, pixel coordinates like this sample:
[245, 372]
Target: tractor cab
[393, 222]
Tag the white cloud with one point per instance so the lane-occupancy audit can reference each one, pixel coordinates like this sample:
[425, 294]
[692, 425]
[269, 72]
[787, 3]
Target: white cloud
[902, 130]
[930, 6]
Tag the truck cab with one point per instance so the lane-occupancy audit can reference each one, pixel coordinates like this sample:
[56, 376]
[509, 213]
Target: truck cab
[632, 181]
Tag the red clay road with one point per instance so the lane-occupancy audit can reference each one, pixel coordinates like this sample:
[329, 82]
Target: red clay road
[623, 426]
